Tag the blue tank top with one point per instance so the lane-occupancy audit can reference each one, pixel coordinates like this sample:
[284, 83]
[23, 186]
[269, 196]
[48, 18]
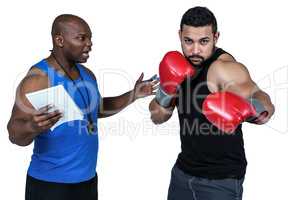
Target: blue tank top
[68, 154]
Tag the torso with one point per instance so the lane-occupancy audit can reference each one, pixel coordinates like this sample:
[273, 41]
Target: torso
[69, 145]
[206, 151]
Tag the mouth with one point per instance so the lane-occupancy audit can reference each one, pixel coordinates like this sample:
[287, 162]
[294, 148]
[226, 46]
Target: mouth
[85, 54]
[196, 60]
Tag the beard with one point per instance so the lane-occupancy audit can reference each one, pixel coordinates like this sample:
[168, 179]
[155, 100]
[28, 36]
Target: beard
[200, 59]
[192, 57]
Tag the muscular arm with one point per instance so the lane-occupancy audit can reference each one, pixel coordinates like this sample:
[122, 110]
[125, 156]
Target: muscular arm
[234, 77]
[21, 127]
[113, 105]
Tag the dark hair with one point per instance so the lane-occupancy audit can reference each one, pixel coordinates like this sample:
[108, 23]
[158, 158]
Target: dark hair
[199, 16]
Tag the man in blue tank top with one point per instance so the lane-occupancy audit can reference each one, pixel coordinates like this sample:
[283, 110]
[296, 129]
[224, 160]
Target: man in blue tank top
[63, 164]
[210, 92]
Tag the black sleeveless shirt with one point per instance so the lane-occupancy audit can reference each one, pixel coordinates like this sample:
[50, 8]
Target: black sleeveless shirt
[206, 151]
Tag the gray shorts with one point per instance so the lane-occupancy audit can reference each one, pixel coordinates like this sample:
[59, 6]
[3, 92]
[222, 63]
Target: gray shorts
[186, 187]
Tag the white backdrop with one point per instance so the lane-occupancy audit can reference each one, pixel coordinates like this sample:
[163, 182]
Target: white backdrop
[130, 37]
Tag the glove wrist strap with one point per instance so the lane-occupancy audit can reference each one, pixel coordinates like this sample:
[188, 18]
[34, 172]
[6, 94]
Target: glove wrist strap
[163, 98]
[259, 108]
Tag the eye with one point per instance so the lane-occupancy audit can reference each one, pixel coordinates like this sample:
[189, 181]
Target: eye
[204, 42]
[188, 41]
[81, 38]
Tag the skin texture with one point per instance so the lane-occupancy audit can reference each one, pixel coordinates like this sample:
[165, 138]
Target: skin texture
[224, 74]
[71, 37]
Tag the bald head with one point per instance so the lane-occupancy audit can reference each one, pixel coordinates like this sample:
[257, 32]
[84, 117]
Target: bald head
[63, 22]
[71, 38]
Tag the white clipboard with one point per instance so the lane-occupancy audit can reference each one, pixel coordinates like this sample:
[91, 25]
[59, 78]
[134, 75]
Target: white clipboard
[60, 99]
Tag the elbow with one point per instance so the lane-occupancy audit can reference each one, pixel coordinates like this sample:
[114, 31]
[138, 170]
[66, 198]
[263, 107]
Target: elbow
[11, 136]
[272, 110]
[154, 116]
[158, 114]
[19, 142]
[157, 118]
[156, 121]
[14, 139]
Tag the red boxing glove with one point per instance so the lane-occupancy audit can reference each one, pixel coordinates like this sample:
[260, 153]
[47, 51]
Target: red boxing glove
[227, 110]
[173, 70]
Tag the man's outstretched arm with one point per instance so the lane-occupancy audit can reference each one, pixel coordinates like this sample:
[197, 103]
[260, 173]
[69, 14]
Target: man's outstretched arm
[112, 105]
[234, 77]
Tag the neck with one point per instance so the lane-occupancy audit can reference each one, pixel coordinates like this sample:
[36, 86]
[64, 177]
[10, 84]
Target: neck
[62, 61]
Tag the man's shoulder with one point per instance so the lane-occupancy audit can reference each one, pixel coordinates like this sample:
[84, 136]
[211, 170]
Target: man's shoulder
[35, 70]
[228, 70]
[225, 56]
[226, 63]
[89, 71]
[222, 60]
[34, 80]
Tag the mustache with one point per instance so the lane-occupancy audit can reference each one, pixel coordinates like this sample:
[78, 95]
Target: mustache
[195, 56]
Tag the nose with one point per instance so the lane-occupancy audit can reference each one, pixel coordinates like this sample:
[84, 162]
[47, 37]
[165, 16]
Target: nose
[89, 43]
[196, 49]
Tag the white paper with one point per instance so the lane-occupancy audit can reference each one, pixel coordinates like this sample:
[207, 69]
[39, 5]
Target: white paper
[59, 98]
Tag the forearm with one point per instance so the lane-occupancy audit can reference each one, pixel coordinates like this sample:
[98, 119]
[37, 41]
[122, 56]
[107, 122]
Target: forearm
[20, 132]
[160, 114]
[263, 97]
[113, 105]
[267, 104]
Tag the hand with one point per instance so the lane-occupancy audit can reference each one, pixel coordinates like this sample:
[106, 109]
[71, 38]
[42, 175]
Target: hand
[43, 120]
[174, 68]
[144, 88]
[227, 110]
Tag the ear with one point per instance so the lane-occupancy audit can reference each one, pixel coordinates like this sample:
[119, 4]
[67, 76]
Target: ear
[179, 34]
[216, 37]
[59, 40]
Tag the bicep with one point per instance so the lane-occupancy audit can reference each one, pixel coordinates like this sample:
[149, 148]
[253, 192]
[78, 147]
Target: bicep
[235, 77]
[22, 107]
